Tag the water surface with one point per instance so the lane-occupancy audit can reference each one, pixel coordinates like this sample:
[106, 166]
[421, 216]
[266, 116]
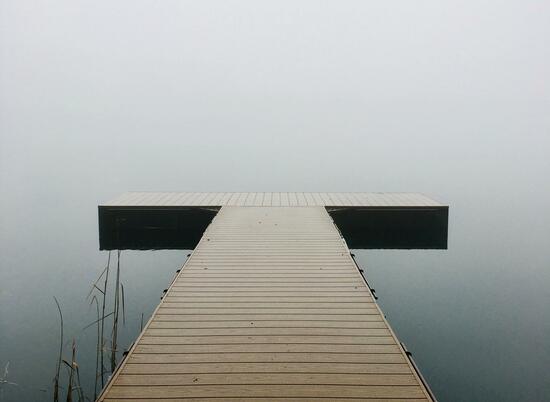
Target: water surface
[476, 316]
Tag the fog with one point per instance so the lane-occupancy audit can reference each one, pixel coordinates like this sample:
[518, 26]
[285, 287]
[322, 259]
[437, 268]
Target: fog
[451, 99]
[394, 96]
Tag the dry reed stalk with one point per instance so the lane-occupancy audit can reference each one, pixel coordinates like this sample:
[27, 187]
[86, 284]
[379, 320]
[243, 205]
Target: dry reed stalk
[58, 368]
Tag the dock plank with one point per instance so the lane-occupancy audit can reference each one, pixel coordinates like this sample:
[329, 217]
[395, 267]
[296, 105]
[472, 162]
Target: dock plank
[270, 367]
[273, 390]
[267, 339]
[271, 378]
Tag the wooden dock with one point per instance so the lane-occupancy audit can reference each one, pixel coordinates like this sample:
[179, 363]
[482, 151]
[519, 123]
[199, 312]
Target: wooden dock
[270, 306]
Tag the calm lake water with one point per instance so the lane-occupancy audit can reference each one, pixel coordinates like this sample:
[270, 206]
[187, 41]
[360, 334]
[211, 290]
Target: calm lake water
[476, 316]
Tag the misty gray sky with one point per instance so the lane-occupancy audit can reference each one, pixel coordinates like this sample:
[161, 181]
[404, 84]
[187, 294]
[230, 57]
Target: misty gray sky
[108, 96]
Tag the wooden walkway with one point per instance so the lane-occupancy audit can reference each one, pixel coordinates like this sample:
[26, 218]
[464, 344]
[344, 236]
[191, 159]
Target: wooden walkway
[269, 307]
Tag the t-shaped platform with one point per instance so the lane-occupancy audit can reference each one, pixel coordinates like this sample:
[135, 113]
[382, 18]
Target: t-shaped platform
[270, 306]
[366, 220]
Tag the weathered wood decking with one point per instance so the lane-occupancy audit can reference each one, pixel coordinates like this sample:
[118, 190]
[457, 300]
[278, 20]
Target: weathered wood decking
[270, 306]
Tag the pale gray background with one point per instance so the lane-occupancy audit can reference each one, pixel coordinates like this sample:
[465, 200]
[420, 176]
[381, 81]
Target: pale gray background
[447, 98]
